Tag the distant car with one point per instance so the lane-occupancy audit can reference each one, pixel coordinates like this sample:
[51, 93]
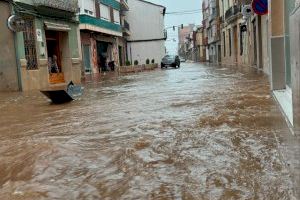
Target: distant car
[170, 60]
[182, 59]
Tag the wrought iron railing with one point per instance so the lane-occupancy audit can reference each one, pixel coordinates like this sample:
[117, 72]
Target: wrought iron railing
[126, 25]
[232, 11]
[66, 5]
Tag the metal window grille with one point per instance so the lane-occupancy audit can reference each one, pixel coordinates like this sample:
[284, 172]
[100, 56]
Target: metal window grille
[29, 44]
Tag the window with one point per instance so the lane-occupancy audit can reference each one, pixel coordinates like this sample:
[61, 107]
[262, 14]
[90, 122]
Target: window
[116, 16]
[89, 7]
[105, 12]
[29, 44]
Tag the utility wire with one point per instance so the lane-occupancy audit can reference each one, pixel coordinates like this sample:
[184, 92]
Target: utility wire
[184, 12]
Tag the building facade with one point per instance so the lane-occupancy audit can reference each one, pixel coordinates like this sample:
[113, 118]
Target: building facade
[284, 56]
[8, 63]
[147, 38]
[244, 41]
[46, 44]
[102, 28]
[184, 37]
[213, 31]
[205, 24]
[269, 43]
[201, 48]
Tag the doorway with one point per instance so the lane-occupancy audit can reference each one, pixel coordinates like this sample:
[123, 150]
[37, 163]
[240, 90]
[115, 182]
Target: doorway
[235, 43]
[254, 43]
[54, 57]
[87, 58]
[105, 56]
[121, 55]
[219, 54]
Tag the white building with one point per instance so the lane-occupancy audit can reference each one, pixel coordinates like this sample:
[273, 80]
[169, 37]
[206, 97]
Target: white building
[147, 39]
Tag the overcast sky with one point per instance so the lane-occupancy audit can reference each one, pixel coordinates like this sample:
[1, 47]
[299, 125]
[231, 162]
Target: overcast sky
[175, 20]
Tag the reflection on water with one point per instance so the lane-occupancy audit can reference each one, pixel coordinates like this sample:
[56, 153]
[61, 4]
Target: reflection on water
[194, 133]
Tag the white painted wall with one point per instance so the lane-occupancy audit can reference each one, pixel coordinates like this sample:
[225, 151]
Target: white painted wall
[146, 20]
[141, 51]
[146, 23]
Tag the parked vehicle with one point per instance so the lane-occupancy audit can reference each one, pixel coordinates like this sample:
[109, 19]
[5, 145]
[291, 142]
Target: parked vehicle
[182, 59]
[170, 60]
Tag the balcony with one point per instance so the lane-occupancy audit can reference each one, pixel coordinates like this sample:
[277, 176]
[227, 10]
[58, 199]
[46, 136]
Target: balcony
[126, 28]
[214, 38]
[232, 12]
[99, 25]
[63, 5]
[124, 5]
[212, 17]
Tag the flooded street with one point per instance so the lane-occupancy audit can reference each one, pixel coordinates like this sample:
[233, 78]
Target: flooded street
[199, 132]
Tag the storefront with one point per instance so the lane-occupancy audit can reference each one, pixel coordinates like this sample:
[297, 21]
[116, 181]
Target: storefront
[101, 53]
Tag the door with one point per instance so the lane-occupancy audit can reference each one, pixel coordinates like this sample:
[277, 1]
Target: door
[219, 54]
[235, 43]
[87, 58]
[254, 43]
[121, 56]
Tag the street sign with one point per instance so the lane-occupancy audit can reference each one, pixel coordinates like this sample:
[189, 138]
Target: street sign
[260, 7]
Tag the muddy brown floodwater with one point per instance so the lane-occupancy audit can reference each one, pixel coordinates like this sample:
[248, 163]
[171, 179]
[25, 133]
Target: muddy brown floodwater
[200, 132]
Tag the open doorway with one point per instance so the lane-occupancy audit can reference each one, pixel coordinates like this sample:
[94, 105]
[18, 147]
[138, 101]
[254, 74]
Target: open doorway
[254, 43]
[105, 57]
[54, 57]
[235, 43]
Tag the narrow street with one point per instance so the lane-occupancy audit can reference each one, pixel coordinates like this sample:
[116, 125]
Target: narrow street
[198, 132]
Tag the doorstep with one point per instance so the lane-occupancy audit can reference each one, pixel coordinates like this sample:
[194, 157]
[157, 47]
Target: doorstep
[285, 100]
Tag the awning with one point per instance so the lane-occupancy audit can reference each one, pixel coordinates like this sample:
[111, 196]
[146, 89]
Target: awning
[56, 26]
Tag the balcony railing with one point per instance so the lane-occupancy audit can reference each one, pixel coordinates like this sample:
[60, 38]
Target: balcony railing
[65, 5]
[124, 5]
[232, 11]
[212, 16]
[126, 25]
[126, 28]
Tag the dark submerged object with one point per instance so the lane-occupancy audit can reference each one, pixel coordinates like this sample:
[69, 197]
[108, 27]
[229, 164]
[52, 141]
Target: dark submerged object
[60, 96]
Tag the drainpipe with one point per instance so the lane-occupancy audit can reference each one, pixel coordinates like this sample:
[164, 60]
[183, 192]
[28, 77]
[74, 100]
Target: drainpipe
[17, 53]
[18, 64]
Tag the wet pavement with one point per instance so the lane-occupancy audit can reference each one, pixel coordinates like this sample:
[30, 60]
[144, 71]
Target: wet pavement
[199, 132]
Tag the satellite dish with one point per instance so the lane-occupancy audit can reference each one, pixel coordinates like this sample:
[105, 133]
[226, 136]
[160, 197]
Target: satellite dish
[247, 11]
[15, 23]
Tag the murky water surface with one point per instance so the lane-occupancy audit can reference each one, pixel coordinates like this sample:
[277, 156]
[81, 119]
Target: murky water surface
[195, 133]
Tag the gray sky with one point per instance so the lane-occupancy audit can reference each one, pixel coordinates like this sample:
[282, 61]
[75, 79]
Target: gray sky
[174, 20]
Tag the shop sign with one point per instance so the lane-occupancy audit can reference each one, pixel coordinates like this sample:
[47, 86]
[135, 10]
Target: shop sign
[39, 36]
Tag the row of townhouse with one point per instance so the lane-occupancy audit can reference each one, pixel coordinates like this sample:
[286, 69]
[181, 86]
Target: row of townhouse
[185, 40]
[45, 43]
[270, 43]
[192, 43]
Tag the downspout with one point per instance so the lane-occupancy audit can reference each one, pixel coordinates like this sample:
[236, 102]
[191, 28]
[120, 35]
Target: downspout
[17, 54]
[18, 64]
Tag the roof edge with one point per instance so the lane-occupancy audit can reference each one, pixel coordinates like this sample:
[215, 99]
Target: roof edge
[153, 4]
